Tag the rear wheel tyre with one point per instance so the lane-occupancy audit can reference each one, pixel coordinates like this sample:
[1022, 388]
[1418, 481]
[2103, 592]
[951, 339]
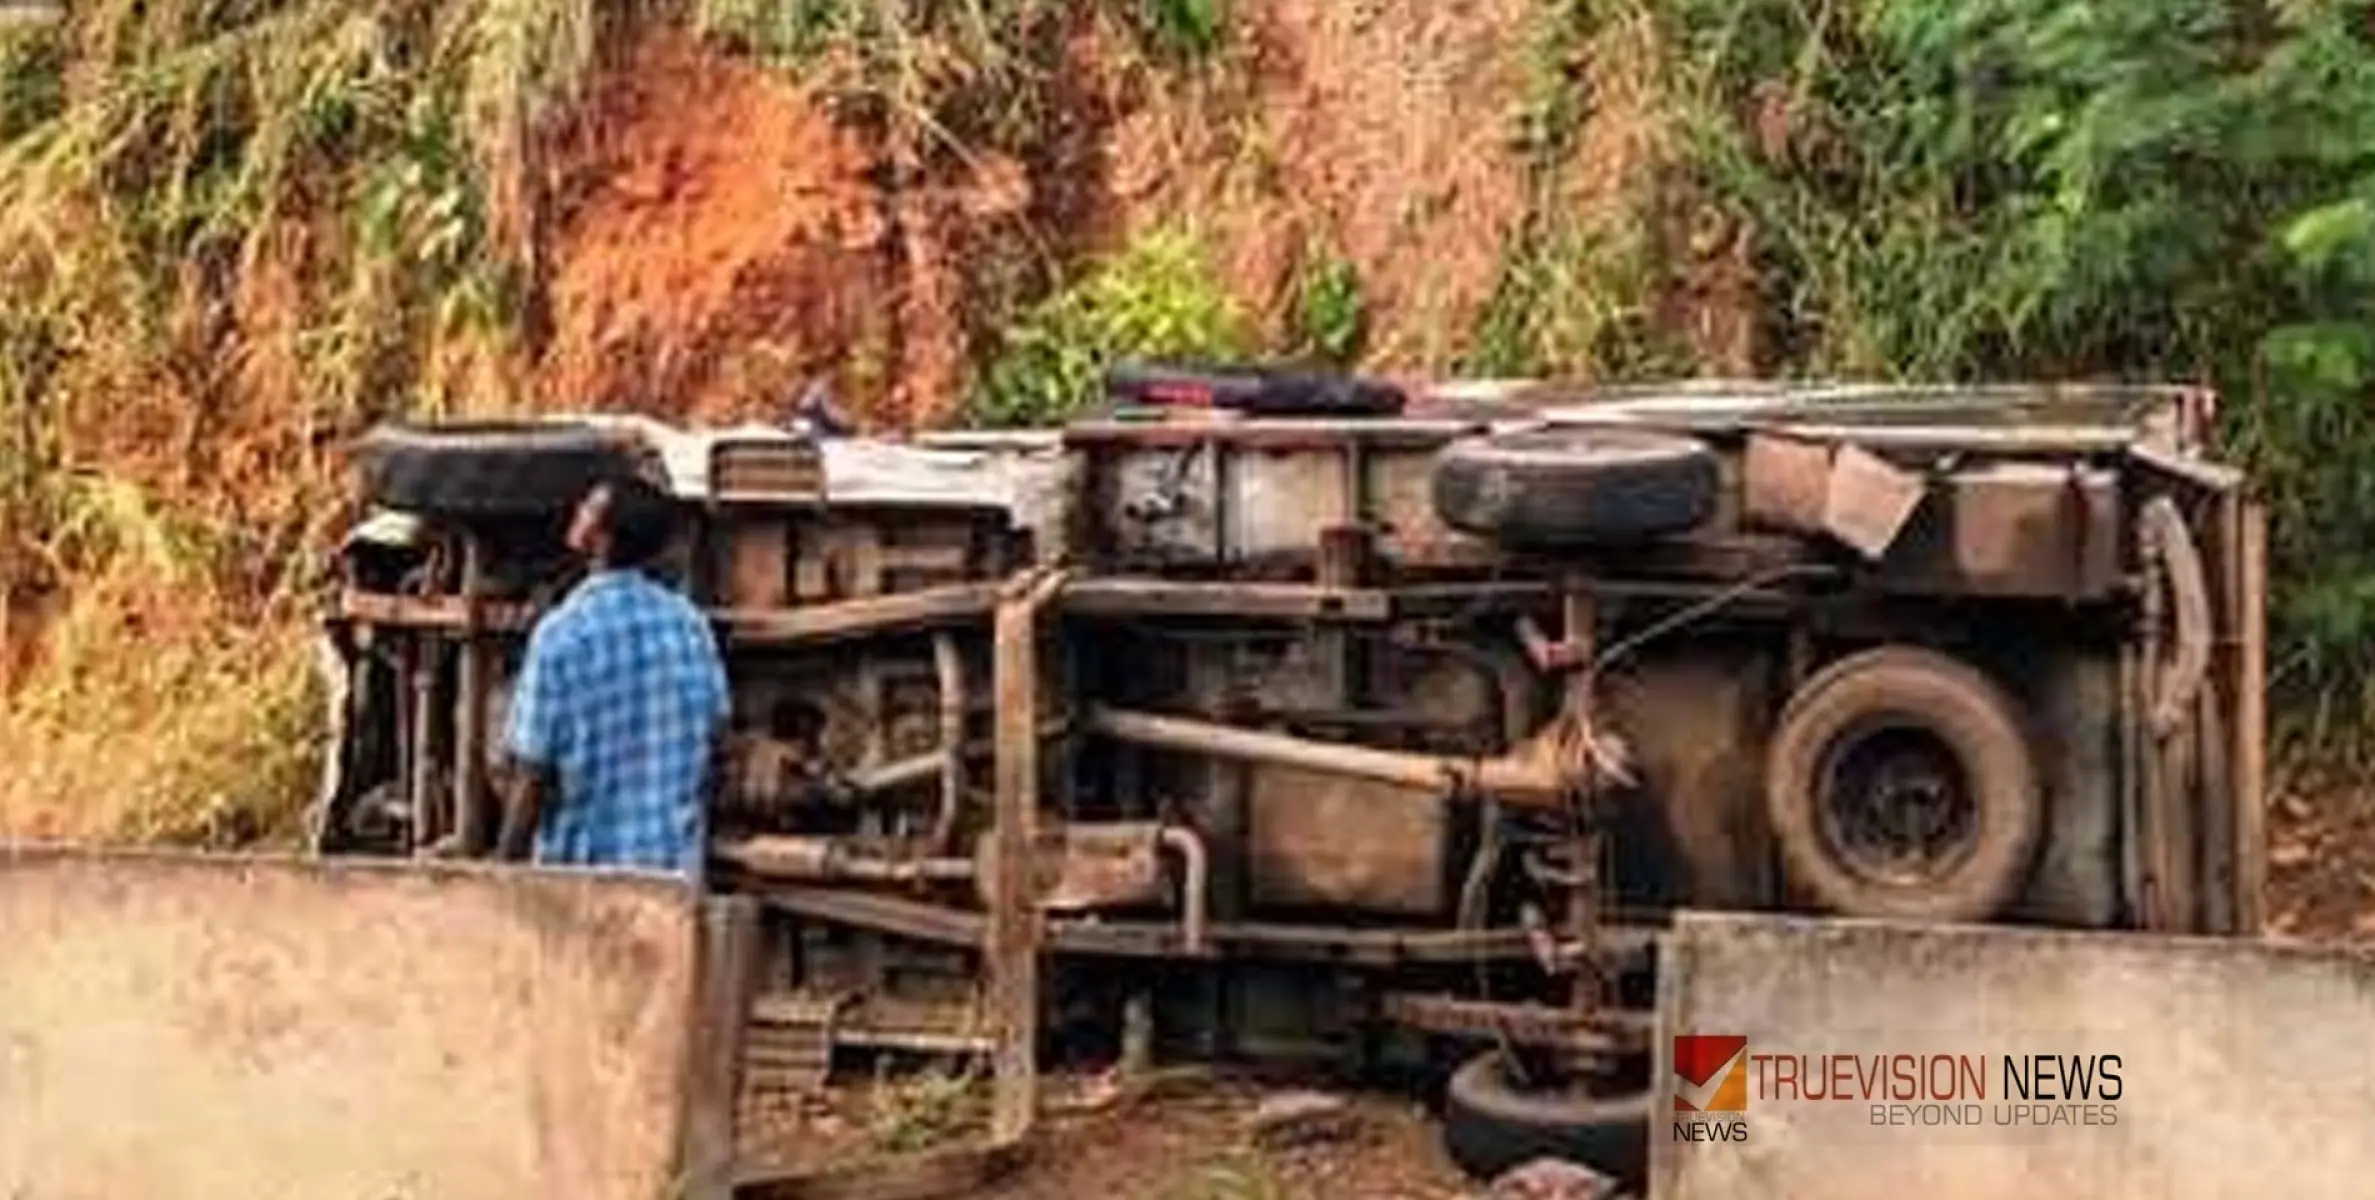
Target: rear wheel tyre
[1563, 486]
[1493, 1124]
[1900, 785]
[486, 470]
[1260, 390]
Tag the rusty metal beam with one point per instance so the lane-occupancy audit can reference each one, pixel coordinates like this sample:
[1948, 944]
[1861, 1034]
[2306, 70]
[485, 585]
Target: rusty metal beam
[852, 618]
[470, 712]
[2250, 757]
[1243, 601]
[1268, 941]
[1010, 944]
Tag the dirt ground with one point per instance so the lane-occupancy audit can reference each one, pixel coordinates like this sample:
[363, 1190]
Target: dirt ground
[1192, 1138]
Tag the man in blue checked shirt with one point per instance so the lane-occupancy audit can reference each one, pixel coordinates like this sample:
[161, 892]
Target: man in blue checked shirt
[618, 706]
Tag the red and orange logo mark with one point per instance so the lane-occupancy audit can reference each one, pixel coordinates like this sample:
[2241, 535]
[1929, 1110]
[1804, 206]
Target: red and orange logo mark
[1710, 1073]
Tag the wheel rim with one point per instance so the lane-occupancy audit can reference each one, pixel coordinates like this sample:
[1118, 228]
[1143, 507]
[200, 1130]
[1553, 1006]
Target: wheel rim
[1894, 803]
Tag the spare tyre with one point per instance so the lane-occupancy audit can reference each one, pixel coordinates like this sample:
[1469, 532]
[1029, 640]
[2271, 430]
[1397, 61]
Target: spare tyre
[486, 469]
[1901, 785]
[1258, 390]
[1493, 1122]
[1574, 485]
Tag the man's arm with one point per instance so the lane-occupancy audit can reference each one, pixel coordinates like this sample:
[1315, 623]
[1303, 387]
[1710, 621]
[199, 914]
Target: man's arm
[532, 746]
[526, 788]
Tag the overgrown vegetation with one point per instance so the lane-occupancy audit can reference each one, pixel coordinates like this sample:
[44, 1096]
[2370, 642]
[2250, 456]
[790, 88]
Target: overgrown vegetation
[947, 78]
[1156, 298]
[2003, 188]
[913, 1113]
[1577, 287]
[230, 231]
[1331, 315]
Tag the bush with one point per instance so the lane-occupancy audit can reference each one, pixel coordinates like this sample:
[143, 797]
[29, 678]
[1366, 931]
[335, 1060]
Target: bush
[1157, 298]
[1998, 188]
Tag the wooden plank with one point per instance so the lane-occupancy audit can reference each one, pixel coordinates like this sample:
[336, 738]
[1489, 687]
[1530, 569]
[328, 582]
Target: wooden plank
[1011, 941]
[847, 618]
[441, 613]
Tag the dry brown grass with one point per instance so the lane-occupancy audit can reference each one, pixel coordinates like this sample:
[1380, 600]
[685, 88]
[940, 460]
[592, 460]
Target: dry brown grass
[240, 231]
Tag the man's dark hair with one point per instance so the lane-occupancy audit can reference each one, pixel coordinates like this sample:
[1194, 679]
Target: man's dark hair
[642, 521]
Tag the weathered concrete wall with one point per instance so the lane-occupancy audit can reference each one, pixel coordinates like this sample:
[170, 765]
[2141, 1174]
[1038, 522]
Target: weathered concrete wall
[175, 1026]
[2246, 1069]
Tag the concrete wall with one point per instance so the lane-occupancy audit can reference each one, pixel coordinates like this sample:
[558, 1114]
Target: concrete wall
[206, 1027]
[2247, 1069]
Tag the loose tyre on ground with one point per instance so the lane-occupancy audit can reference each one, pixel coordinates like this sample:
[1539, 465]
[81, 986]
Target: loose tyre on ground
[1569, 486]
[486, 470]
[1901, 784]
[1493, 1123]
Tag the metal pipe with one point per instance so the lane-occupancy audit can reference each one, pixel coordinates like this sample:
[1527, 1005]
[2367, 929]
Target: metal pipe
[2189, 592]
[949, 667]
[2133, 869]
[470, 716]
[828, 859]
[1532, 782]
[423, 761]
[1195, 903]
[915, 768]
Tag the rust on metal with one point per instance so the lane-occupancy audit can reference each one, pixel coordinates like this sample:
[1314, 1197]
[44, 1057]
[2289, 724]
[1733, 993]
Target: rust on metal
[1784, 482]
[470, 714]
[812, 858]
[1868, 500]
[948, 668]
[1104, 864]
[854, 618]
[1314, 838]
[1524, 779]
[1180, 598]
[1011, 938]
[2251, 722]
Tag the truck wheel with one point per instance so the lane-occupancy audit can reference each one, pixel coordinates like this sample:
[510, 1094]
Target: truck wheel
[486, 470]
[1901, 785]
[1574, 485]
[1493, 1124]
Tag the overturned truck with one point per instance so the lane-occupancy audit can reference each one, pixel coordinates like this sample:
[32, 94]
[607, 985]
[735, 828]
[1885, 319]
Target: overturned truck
[1266, 716]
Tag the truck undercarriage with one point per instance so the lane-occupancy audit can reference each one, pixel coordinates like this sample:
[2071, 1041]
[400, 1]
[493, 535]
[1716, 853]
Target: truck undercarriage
[1380, 730]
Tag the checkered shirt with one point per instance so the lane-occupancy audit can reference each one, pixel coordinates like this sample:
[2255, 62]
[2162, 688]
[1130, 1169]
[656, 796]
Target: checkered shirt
[619, 696]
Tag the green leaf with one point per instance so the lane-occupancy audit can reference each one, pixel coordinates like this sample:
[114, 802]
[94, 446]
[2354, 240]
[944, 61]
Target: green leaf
[2318, 237]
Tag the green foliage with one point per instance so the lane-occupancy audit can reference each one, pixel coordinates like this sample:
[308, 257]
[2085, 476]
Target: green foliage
[1185, 30]
[1574, 293]
[231, 231]
[1331, 314]
[947, 78]
[1157, 298]
[1998, 188]
[938, 78]
[920, 1111]
[1569, 303]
